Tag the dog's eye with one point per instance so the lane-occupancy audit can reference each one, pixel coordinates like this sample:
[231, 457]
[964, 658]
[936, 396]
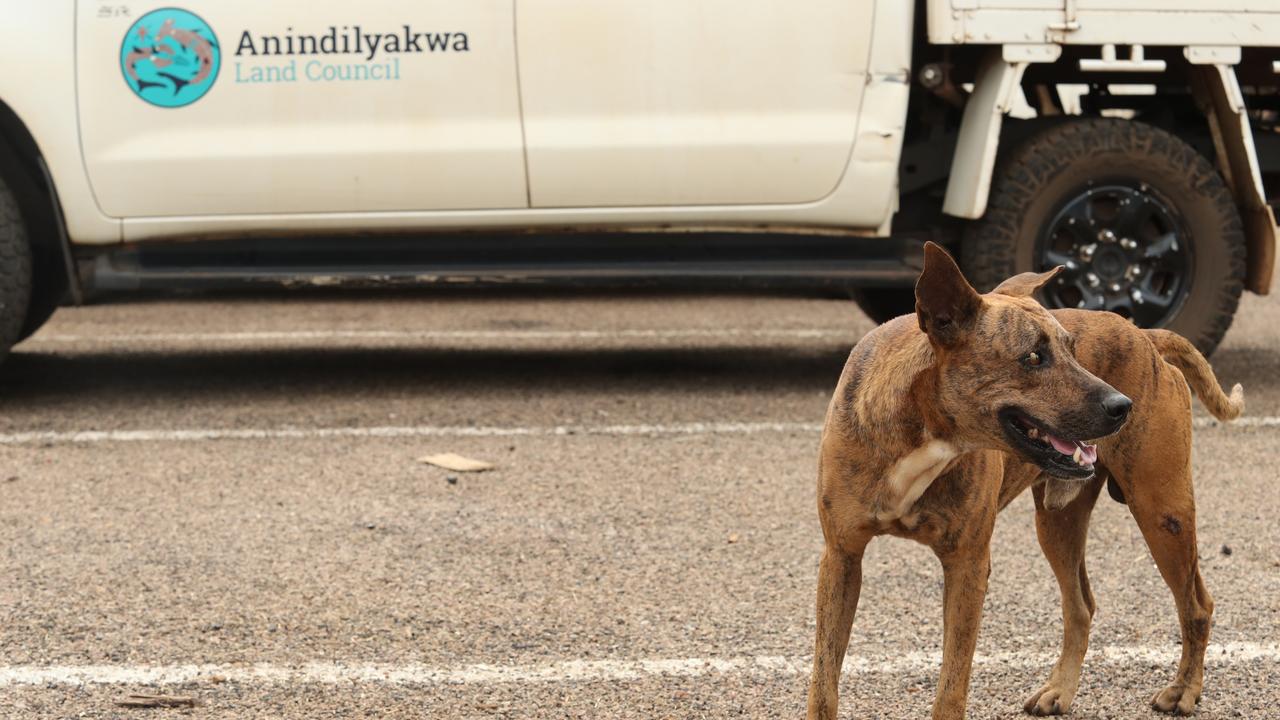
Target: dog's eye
[1033, 359]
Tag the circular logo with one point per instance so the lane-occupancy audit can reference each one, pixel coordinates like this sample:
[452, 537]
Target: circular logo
[170, 57]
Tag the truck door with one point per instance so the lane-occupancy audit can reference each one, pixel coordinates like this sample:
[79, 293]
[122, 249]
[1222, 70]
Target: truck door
[230, 107]
[674, 102]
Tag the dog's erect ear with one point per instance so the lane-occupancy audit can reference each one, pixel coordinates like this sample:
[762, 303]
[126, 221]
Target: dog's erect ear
[945, 302]
[1026, 284]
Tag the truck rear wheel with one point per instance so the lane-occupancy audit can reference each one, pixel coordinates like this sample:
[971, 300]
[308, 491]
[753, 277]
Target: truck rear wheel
[1142, 222]
[885, 304]
[15, 270]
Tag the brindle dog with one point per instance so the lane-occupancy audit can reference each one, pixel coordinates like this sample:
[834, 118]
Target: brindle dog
[941, 418]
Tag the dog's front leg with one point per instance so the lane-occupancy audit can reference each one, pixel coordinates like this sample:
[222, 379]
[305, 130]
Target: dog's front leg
[1062, 533]
[964, 589]
[839, 583]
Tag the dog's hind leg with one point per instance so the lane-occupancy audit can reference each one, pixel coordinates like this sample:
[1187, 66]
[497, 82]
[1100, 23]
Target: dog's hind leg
[1166, 513]
[839, 584]
[1062, 536]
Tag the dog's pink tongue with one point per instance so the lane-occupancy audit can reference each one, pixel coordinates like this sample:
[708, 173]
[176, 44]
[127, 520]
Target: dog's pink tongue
[1063, 446]
[1088, 453]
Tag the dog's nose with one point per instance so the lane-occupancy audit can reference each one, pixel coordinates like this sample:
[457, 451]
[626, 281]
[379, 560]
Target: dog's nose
[1116, 406]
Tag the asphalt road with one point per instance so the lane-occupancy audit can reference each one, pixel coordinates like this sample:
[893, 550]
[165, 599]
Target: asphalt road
[221, 498]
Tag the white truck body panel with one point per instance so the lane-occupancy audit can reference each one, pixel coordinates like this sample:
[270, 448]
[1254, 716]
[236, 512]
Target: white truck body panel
[283, 133]
[679, 103]
[860, 203]
[1171, 23]
[559, 113]
[39, 85]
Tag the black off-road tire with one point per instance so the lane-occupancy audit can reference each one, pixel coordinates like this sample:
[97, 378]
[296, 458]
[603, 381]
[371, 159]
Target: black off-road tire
[45, 295]
[15, 270]
[1035, 181]
[884, 304]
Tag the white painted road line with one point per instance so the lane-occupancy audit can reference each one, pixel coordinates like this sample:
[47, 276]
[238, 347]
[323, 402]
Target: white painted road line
[98, 436]
[296, 433]
[438, 335]
[587, 670]
[1259, 421]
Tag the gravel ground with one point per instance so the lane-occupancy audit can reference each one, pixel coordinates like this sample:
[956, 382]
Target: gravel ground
[602, 545]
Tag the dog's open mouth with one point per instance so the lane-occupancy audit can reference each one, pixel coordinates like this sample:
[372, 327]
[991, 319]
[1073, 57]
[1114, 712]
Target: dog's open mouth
[1056, 455]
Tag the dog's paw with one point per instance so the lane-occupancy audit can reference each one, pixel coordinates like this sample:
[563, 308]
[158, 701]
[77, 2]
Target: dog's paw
[1052, 699]
[1177, 699]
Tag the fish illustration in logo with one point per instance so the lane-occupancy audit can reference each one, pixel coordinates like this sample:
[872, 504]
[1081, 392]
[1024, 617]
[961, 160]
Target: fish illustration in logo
[170, 57]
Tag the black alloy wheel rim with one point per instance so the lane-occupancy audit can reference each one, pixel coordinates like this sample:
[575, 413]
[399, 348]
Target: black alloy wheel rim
[1124, 249]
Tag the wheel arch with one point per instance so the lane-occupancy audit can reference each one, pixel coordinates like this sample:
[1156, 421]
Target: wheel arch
[1217, 91]
[1218, 95]
[23, 167]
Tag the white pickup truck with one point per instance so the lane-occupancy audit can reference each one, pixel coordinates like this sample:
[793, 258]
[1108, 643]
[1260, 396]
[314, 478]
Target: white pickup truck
[318, 141]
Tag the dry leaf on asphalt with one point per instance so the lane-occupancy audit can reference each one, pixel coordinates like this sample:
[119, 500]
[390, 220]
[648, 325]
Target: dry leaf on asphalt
[138, 700]
[453, 461]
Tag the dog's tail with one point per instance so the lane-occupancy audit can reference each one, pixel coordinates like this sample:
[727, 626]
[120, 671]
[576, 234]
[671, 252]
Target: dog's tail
[1179, 352]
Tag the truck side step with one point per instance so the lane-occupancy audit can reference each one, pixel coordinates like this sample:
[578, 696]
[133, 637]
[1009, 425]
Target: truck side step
[723, 260]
